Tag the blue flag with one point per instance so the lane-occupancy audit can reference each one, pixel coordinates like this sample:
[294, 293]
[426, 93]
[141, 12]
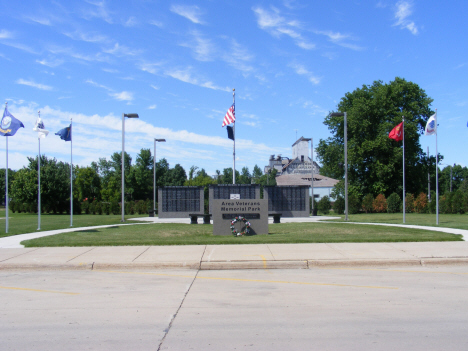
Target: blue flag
[9, 124]
[65, 133]
[230, 132]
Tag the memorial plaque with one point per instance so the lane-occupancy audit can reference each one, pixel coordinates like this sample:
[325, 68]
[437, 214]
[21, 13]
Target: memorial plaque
[225, 210]
[290, 201]
[180, 201]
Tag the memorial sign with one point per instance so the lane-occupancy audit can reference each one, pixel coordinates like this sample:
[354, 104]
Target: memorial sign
[253, 211]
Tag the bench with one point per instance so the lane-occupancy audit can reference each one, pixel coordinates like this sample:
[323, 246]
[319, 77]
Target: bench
[194, 218]
[276, 217]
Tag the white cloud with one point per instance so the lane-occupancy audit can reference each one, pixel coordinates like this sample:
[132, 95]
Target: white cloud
[122, 96]
[202, 48]
[402, 12]
[40, 20]
[185, 76]
[122, 50]
[152, 107]
[132, 21]
[87, 37]
[98, 11]
[97, 136]
[301, 70]
[4, 34]
[192, 13]
[277, 25]
[33, 84]
[339, 39]
[156, 23]
[152, 68]
[154, 87]
[238, 57]
[50, 63]
[56, 50]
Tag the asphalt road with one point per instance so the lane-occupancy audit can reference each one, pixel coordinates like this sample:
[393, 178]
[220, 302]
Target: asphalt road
[413, 308]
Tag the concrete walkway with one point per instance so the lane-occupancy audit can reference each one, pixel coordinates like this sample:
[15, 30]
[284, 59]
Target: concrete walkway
[262, 256]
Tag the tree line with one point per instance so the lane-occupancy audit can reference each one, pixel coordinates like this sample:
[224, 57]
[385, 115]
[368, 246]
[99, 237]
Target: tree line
[102, 180]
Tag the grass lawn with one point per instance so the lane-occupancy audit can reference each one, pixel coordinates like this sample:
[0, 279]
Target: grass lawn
[458, 221]
[20, 223]
[187, 234]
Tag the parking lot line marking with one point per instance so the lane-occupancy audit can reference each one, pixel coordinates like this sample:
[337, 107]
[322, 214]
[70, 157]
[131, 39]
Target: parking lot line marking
[38, 290]
[256, 280]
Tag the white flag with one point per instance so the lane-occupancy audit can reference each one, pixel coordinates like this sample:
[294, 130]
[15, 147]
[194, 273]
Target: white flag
[39, 128]
[431, 126]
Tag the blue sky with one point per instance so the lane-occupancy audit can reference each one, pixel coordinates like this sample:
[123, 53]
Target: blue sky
[175, 63]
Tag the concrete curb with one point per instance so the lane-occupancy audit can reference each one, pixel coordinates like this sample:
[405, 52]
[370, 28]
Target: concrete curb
[227, 265]
[240, 265]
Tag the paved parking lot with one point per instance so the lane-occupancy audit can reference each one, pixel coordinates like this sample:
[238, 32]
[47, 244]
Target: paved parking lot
[331, 308]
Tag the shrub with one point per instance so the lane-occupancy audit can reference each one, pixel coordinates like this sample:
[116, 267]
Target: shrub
[105, 207]
[458, 202]
[115, 207]
[367, 203]
[432, 204]
[409, 203]
[85, 206]
[324, 205]
[98, 208]
[141, 207]
[92, 207]
[12, 206]
[380, 204]
[394, 203]
[76, 207]
[420, 204]
[339, 205]
[354, 204]
[131, 207]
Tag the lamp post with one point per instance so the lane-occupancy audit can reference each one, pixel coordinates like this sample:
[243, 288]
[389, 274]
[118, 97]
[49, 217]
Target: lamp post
[339, 114]
[128, 115]
[154, 173]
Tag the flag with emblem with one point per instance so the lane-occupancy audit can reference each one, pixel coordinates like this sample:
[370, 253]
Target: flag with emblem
[65, 133]
[40, 129]
[397, 133]
[9, 124]
[431, 126]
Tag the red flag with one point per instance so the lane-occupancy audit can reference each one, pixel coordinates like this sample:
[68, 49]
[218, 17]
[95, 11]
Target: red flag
[230, 116]
[397, 133]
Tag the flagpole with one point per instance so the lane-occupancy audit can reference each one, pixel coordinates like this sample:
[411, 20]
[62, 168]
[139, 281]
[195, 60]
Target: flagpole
[234, 147]
[6, 186]
[71, 173]
[437, 175]
[39, 187]
[404, 199]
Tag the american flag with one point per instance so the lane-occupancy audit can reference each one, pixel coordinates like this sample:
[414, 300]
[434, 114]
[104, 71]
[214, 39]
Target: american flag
[230, 116]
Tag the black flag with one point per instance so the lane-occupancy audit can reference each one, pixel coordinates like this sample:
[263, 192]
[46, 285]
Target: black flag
[230, 132]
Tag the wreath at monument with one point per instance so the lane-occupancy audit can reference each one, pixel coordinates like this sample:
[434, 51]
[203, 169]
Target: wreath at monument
[246, 228]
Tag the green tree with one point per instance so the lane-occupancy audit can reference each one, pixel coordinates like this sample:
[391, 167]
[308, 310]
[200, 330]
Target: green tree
[245, 177]
[374, 160]
[87, 183]
[11, 176]
[256, 174]
[175, 176]
[24, 186]
[141, 175]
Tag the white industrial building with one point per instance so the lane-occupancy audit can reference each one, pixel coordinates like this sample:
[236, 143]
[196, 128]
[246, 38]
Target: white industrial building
[298, 170]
